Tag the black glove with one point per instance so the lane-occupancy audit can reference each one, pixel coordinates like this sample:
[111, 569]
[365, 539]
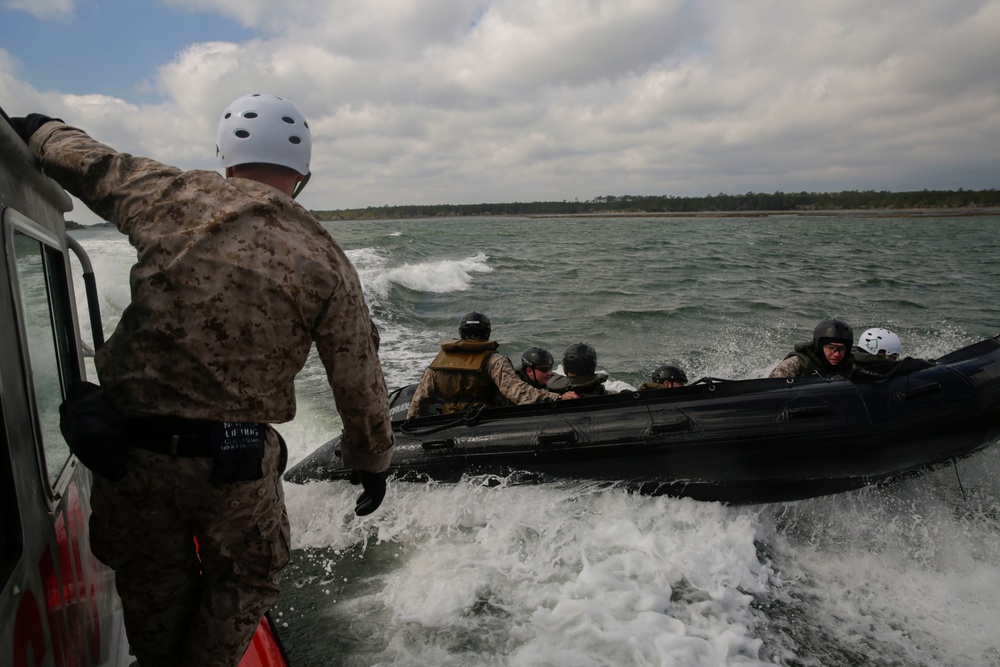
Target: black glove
[371, 497]
[27, 126]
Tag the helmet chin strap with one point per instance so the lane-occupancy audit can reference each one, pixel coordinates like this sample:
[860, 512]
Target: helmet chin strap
[301, 185]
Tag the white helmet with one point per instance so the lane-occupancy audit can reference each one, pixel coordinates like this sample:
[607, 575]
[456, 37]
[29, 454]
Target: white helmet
[264, 128]
[878, 340]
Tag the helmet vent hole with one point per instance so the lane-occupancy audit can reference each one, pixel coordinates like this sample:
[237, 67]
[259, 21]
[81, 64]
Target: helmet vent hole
[263, 129]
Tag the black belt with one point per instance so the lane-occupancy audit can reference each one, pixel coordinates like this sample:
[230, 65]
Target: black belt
[174, 436]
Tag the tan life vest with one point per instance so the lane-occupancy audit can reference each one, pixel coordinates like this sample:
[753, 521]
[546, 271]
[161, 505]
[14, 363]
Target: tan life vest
[462, 380]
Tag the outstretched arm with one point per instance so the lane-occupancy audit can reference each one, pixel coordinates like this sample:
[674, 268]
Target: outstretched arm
[347, 342]
[513, 388]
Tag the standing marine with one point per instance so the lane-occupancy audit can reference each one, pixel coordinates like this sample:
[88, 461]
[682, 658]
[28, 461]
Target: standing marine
[233, 284]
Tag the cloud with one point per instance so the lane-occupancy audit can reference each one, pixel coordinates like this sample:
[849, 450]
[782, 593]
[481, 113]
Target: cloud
[502, 100]
[42, 9]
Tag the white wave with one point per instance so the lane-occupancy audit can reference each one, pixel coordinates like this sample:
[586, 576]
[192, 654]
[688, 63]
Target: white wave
[899, 567]
[438, 277]
[557, 574]
[366, 259]
[111, 257]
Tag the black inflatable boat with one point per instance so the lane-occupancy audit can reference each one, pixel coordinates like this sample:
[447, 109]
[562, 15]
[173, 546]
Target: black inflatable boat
[744, 441]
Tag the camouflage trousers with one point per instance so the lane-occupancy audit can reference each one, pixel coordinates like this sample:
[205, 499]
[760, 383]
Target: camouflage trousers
[182, 606]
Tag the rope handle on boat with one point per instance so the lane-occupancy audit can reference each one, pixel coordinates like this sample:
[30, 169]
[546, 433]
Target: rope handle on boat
[921, 391]
[710, 381]
[464, 419]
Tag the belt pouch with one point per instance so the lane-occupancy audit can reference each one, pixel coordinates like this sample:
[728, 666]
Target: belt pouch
[96, 432]
[237, 451]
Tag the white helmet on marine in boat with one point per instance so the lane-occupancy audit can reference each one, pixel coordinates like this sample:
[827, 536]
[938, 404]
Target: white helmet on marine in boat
[879, 340]
[263, 128]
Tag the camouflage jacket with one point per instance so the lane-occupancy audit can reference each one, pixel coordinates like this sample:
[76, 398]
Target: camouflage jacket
[805, 361]
[234, 283]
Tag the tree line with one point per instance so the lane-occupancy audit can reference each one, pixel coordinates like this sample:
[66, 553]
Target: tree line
[638, 204]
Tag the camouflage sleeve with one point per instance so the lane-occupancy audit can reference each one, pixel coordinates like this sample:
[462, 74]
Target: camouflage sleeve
[424, 389]
[789, 368]
[347, 343]
[117, 186]
[515, 390]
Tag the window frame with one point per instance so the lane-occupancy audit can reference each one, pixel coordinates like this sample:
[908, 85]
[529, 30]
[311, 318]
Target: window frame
[64, 343]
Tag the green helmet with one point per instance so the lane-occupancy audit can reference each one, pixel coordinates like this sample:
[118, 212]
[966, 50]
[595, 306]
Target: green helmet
[833, 330]
[579, 359]
[474, 325]
[669, 374]
[536, 356]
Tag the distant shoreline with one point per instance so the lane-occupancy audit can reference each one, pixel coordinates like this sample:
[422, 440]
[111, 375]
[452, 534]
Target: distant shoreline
[831, 213]
[825, 213]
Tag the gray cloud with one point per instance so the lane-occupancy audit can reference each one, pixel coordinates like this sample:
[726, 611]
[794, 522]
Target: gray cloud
[504, 100]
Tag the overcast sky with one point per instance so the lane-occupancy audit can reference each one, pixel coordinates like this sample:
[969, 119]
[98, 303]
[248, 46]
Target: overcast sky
[469, 101]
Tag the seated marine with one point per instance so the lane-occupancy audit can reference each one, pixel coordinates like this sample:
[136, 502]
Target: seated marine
[877, 345]
[536, 367]
[469, 373]
[665, 377]
[829, 353]
[579, 365]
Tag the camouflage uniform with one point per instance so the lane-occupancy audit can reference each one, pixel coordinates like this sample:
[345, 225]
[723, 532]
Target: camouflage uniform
[142, 526]
[233, 284]
[790, 367]
[500, 371]
[806, 361]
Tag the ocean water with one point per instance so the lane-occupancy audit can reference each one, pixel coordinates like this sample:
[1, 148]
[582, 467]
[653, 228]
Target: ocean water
[569, 573]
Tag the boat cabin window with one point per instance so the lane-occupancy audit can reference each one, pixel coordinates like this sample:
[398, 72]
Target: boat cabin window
[46, 331]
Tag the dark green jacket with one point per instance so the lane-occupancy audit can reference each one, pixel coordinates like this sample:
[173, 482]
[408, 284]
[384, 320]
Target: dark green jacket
[584, 385]
[814, 362]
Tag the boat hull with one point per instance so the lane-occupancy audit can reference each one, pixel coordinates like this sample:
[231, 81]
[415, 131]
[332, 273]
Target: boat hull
[749, 441]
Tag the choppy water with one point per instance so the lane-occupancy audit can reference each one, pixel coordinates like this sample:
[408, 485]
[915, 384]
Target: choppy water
[572, 574]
